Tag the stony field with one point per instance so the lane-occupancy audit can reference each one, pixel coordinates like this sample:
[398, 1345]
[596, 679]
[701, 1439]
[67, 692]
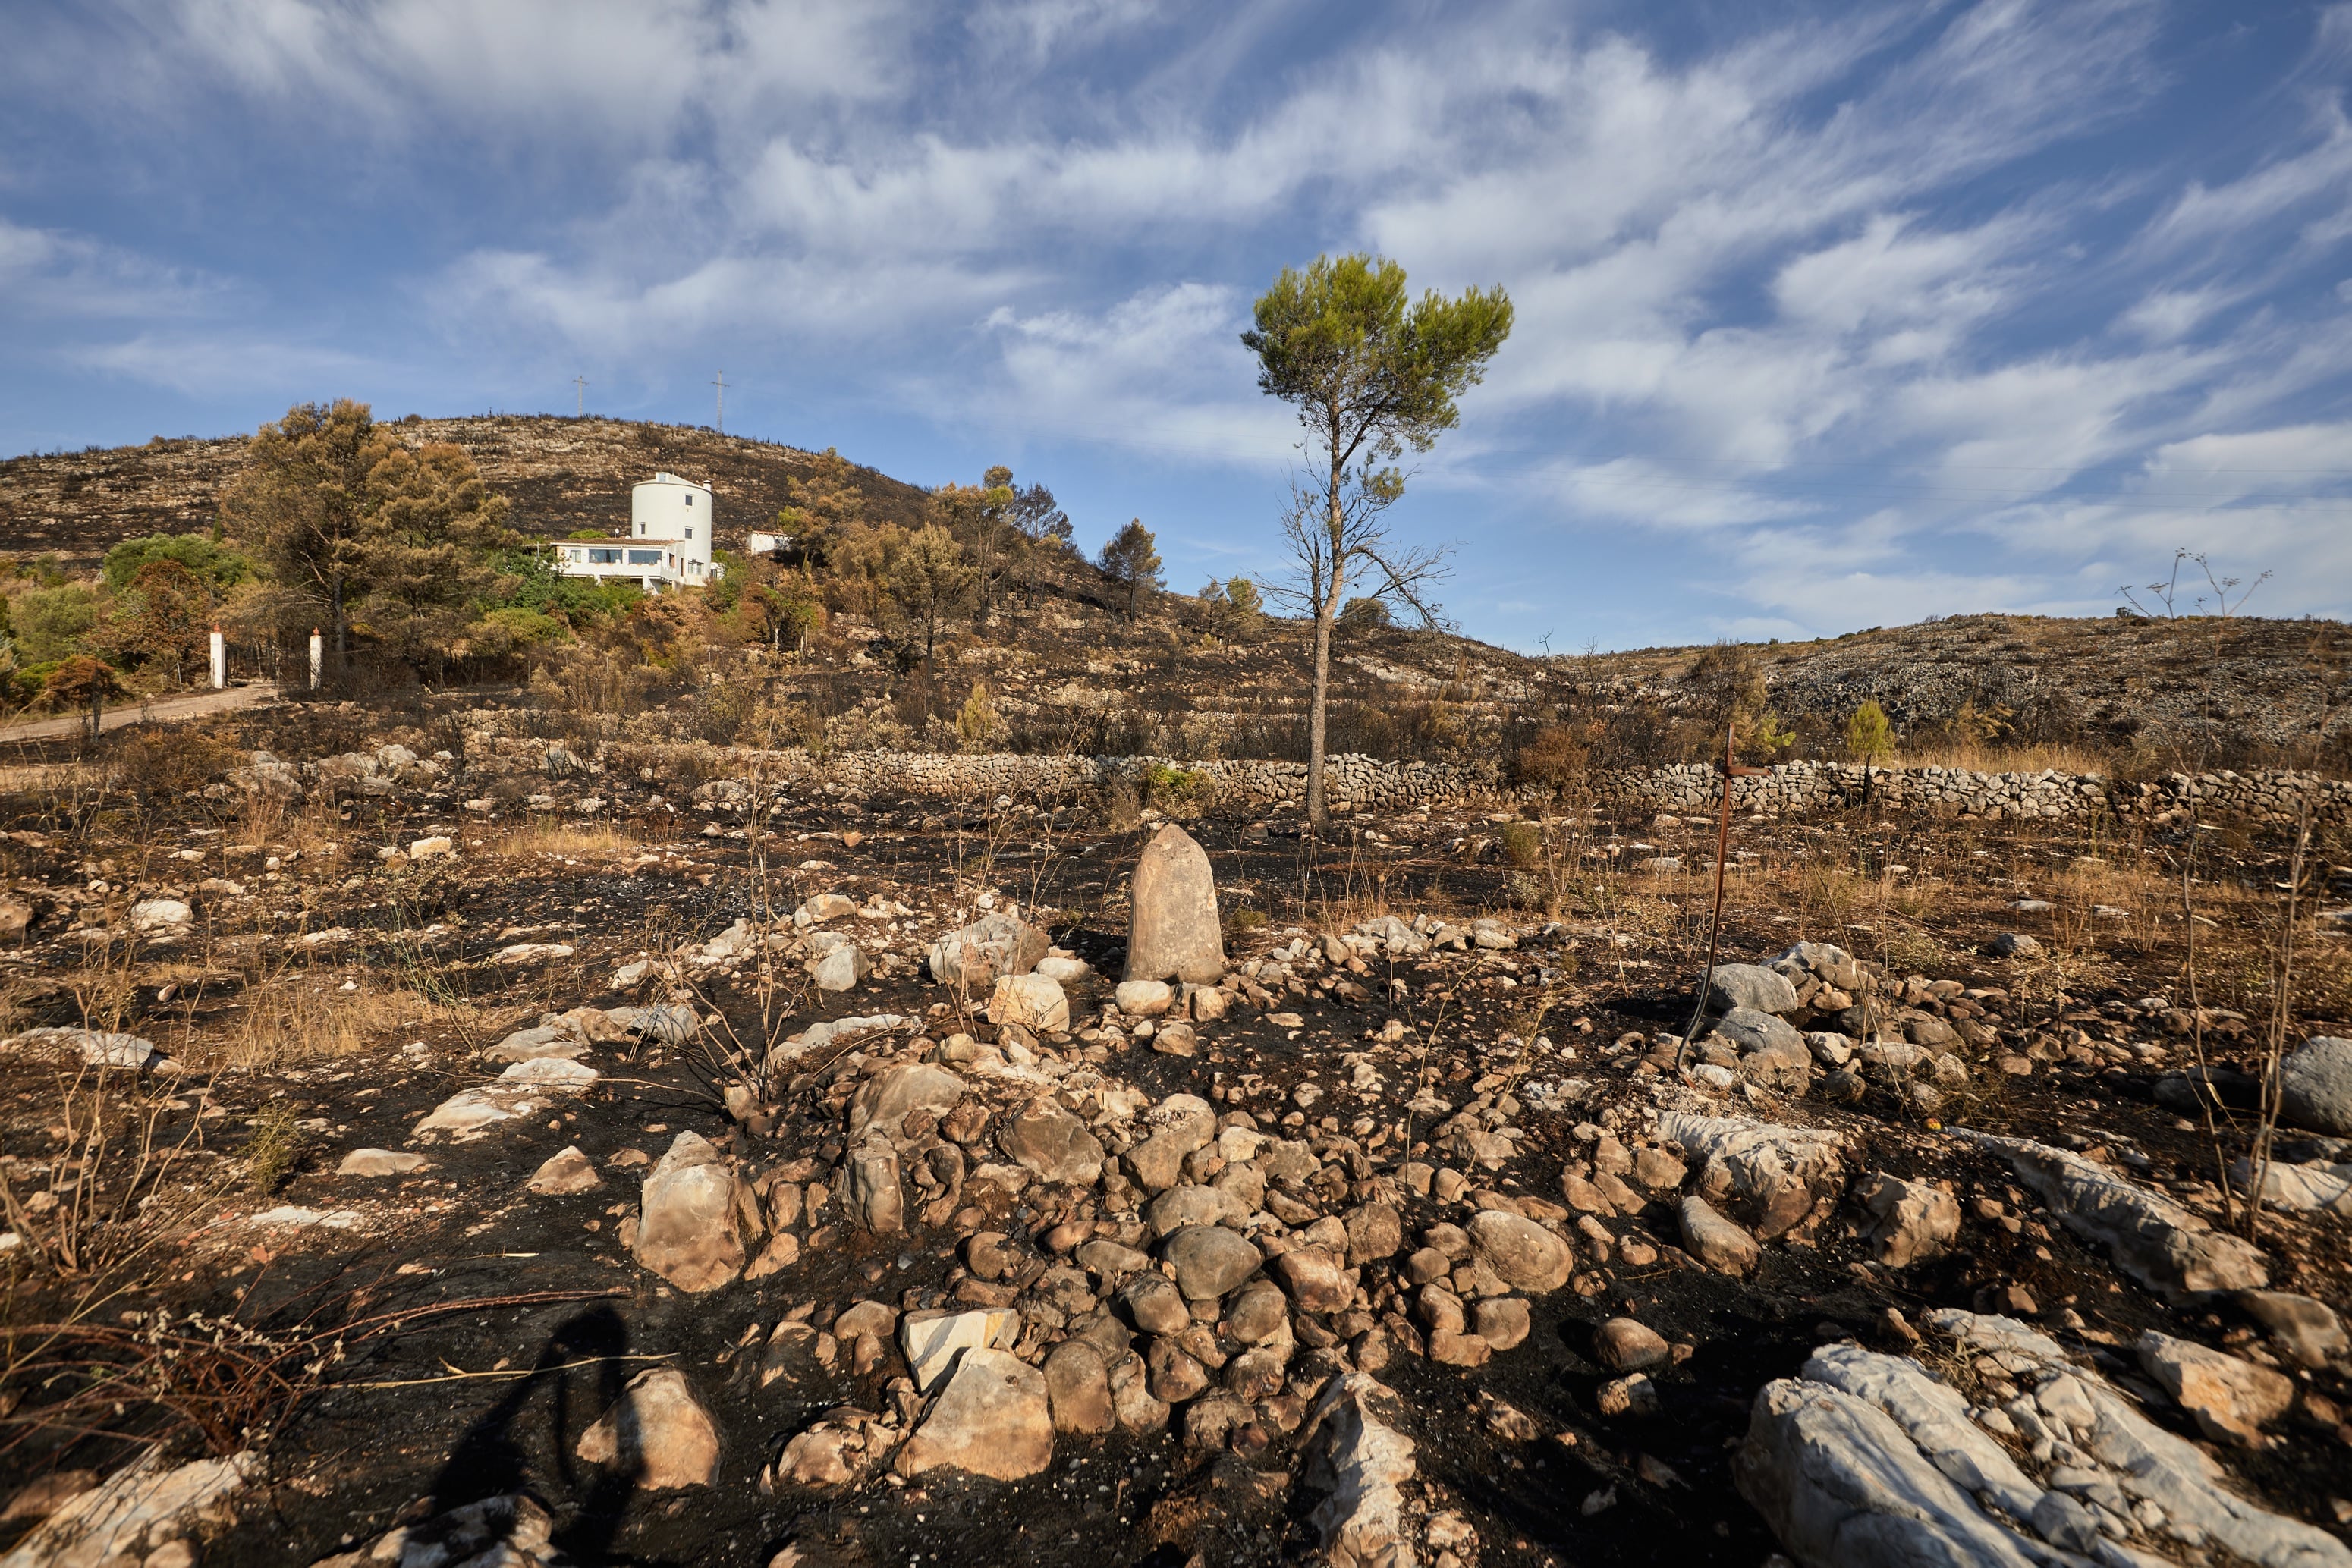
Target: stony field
[587, 1158]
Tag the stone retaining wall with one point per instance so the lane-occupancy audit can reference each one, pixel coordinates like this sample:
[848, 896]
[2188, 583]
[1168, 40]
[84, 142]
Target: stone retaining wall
[2274, 798]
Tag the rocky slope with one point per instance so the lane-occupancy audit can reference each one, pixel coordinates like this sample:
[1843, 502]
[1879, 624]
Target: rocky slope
[561, 475]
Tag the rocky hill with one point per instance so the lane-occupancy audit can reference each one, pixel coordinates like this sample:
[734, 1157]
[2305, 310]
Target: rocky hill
[561, 475]
[1071, 668]
[2115, 681]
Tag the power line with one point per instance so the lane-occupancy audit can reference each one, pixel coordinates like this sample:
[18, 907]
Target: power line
[580, 384]
[720, 381]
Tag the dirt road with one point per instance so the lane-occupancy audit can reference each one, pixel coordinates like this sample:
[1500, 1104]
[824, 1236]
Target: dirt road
[196, 706]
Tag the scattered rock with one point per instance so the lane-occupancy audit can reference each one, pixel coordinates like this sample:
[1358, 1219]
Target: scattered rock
[141, 1508]
[98, 1048]
[1209, 1261]
[994, 1418]
[1716, 1241]
[2309, 1331]
[2232, 1400]
[656, 1432]
[886, 1099]
[2016, 945]
[1174, 931]
[687, 1223]
[1623, 1344]
[509, 1530]
[989, 948]
[932, 1341]
[380, 1163]
[1522, 1253]
[1048, 1141]
[838, 967]
[565, 1172]
[1774, 1177]
[872, 1193]
[1030, 1000]
[1915, 1219]
[1077, 1385]
[1730, 985]
[1144, 999]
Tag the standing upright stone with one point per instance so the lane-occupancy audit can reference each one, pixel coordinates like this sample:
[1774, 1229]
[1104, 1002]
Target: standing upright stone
[1174, 932]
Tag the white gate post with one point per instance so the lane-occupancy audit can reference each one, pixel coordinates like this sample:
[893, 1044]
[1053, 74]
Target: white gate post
[318, 658]
[220, 660]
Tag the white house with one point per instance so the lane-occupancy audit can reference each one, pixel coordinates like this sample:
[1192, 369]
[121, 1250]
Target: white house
[671, 521]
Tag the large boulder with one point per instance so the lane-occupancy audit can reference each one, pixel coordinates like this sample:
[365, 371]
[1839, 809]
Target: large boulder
[656, 1432]
[2315, 1086]
[990, 947]
[1174, 931]
[686, 1222]
[1729, 986]
[2157, 1242]
[886, 1099]
[994, 1418]
[1866, 1460]
[1052, 1144]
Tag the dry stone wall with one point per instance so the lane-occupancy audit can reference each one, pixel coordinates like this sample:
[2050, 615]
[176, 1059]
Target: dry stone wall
[2272, 797]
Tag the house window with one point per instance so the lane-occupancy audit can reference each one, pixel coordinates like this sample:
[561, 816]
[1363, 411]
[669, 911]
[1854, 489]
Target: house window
[689, 530]
[689, 500]
[644, 558]
[604, 557]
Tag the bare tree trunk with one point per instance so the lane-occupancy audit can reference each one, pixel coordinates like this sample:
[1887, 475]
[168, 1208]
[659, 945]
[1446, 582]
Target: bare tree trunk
[1318, 812]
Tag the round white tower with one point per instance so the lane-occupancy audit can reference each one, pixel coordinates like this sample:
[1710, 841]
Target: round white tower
[670, 509]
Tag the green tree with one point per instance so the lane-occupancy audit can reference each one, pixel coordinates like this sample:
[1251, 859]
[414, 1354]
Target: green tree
[1131, 559]
[1369, 373]
[1364, 615]
[1044, 530]
[1242, 595]
[823, 507]
[931, 581]
[301, 505]
[220, 567]
[980, 517]
[1868, 737]
[50, 623]
[1734, 696]
[429, 536]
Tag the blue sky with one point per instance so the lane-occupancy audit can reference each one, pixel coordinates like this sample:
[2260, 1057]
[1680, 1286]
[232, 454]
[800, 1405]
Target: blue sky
[1829, 316]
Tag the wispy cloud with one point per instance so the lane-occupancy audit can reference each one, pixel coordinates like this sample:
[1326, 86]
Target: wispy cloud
[1853, 295]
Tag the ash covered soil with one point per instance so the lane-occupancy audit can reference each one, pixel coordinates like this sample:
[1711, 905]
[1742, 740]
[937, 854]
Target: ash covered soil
[595, 1165]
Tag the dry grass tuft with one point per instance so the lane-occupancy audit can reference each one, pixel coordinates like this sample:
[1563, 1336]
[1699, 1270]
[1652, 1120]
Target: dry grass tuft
[296, 1018]
[547, 836]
